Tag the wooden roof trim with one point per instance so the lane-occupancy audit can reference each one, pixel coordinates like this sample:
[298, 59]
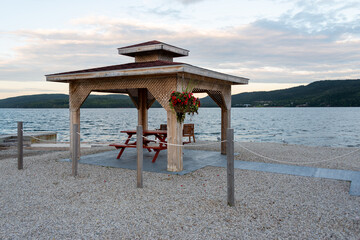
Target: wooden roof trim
[170, 69]
[175, 51]
[215, 75]
[114, 73]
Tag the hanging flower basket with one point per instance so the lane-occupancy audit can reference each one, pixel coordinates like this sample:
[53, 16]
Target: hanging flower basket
[182, 103]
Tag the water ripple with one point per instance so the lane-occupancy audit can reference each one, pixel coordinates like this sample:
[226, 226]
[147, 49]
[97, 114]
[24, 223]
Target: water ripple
[306, 126]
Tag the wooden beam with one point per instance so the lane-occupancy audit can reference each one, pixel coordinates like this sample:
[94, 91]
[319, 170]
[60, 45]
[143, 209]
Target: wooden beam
[139, 162]
[174, 152]
[230, 168]
[74, 119]
[225, 124]
[78, 92]
[76, 149]
[20, 145]
[225, 116]
[142, 110]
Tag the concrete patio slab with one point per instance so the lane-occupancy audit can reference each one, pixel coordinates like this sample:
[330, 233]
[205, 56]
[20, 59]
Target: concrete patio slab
[195, 159]
[336, 174]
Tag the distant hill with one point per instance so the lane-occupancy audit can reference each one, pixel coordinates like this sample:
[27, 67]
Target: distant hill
[62, 101]
[327, 93]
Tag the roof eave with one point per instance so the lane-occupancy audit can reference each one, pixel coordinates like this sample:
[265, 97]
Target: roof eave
[114, 73]
[131, 51]
[148, 71]
[216, 75]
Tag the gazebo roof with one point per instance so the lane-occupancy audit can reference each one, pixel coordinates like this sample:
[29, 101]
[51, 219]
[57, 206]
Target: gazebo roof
[122, 67]
[154, 45]
[152, 77]
[144, 54]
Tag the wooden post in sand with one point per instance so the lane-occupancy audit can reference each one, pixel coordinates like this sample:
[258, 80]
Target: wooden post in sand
[20, 144]
[230, 166]
[75, 147]
[139, 148]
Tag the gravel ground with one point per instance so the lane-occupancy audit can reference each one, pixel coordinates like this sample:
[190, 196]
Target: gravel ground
[44, 201]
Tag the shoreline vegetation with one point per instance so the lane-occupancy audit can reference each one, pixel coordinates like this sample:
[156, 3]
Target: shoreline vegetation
[44, 201]
[327, 93]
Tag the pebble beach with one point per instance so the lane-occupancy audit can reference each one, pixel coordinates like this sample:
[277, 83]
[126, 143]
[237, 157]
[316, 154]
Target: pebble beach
[43, 201]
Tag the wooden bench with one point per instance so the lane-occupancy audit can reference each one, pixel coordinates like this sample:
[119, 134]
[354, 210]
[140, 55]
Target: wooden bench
[156, 148]
[188, 131]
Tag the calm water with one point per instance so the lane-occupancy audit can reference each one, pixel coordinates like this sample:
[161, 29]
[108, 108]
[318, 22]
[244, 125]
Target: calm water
[306, 126]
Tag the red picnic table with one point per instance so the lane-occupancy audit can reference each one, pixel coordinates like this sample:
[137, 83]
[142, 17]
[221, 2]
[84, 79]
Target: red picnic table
[159, 134]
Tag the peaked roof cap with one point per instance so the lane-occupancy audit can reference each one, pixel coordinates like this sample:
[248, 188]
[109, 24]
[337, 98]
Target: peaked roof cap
[152, 46]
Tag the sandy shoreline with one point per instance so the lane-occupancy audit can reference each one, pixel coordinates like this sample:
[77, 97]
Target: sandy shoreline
[45, 201]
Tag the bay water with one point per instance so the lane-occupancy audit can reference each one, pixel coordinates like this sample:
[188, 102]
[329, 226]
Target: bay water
[336, 127]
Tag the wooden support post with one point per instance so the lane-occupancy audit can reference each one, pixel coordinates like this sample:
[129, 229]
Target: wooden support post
[225, 124]
[78, 92]
[20, 144]
[75, 148]
[142, 110]
[175, 153]
[74, 119]
[230, 167]
[139, 148]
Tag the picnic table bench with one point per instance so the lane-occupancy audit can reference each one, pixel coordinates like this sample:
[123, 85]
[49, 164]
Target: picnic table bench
[159, 134]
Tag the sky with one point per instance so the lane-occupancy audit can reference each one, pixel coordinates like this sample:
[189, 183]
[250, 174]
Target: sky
[275, 43]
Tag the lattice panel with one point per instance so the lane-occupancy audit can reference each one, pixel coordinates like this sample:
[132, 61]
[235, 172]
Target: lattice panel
[198, 90]
[220, 93]
[151, 99]
[154, 57]
[77, 95]
[133, 94]
[162, 90]
[217, 97]
[159, 87]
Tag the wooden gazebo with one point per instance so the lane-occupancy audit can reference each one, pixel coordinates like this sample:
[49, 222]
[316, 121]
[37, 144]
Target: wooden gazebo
[153, 76]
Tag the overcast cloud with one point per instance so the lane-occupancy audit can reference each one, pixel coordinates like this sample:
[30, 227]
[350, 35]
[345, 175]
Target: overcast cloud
[317, 40]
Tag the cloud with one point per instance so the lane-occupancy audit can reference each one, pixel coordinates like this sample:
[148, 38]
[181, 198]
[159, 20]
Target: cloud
[165, 12]
[319, 16]
[296, 47]
[188, 2]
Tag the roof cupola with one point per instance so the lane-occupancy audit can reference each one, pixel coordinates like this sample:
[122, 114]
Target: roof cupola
[153, 51]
